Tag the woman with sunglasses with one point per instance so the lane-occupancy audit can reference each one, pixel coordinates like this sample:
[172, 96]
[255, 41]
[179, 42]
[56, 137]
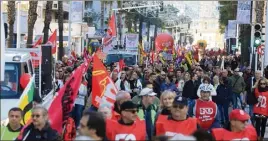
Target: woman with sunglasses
[260, 109]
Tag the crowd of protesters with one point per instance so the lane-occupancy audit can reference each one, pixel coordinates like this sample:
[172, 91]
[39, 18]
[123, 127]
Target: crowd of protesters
[214, 99]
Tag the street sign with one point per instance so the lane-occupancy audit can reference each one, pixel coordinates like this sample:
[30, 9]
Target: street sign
[260, 49]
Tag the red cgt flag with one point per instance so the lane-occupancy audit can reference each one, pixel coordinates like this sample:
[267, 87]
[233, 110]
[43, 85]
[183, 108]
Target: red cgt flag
[53, 41]
[111, 31]
[38, 42]
[62, 105]
[103, 88]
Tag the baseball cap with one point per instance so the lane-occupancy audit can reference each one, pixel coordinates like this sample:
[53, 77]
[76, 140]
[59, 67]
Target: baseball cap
[147, 91]
[179, 100]
[239, 115]
[127, 105]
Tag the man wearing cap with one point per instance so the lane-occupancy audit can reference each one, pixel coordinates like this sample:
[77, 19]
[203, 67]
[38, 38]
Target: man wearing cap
[127, 128]
[205, 110]
[147, 110]
[178, 122]
[237, 129]
[121, 97]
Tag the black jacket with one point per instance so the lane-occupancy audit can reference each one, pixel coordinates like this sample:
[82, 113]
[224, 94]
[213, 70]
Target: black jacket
[250, 98]
[190, 90]
[32, 134]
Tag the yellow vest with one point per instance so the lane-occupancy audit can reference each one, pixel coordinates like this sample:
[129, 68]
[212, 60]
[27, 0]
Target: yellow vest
[6, 134]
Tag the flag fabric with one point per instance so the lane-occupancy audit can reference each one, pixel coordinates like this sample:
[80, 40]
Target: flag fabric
[26, 99]
[103, 88]
[53, 41]
[111, 31]
[38, 42]
[62, 105]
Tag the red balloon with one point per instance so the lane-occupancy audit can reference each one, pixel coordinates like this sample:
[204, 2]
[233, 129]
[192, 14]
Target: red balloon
[164, 41]
[24, 80]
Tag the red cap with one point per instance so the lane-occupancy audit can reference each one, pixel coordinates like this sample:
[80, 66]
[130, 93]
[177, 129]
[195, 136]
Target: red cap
[239, 115]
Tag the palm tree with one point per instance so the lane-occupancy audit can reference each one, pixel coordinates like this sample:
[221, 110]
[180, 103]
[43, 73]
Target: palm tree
[227, 12]
[32, 17]
[11, 13]
[60, 24]
[47, 20]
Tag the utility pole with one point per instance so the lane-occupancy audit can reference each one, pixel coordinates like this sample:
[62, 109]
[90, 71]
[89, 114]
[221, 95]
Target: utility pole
[18, 24]
[70, 29]
[266, 38]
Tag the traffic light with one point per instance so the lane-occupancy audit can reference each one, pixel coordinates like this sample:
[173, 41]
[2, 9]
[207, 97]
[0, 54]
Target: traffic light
[257, 34]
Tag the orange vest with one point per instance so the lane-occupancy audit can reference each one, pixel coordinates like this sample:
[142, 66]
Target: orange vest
[160, 118]
[170, 127]
[117, 131]
[222, 134]
[261, 107]
[205, 113]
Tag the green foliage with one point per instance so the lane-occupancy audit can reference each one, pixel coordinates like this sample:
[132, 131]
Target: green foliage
[227, 12]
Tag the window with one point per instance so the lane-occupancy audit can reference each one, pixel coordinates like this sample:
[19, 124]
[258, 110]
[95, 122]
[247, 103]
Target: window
[10, 86]
[88, 4]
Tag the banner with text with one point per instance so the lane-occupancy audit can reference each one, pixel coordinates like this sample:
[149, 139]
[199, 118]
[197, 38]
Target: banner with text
[77, 11]
[231, 29]
[243, 12]
[132, 42]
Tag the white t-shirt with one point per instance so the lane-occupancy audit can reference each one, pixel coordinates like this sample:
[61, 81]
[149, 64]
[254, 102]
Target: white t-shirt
[82, 93]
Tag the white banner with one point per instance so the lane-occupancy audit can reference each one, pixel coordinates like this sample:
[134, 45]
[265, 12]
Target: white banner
[76, 11]
[3, 45]
[152, 29]
[132, 42]
[231, 29]
[243, 12]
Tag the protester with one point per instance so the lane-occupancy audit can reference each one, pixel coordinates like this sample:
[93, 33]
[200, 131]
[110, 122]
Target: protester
[92, 127]
[39, 129]
[260, 109]
[13, 128]
[127, 128]
[121, 97]
[205, 110]
[106, 110]
[138, 98]
[177, 122]
[236, 129]
[238, 87]
[147, 110]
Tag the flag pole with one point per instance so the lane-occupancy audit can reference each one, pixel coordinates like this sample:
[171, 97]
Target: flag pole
[2, 48]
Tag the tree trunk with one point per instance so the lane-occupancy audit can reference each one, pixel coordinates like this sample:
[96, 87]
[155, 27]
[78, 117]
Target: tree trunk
[60, 24]
[259, 11]
[11, 13]
[102, 14]
[47, 21]
[32, 17]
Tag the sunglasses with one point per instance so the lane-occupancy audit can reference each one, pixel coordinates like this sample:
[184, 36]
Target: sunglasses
[132, 111]
[178, 106]
[37, 116]
[262, 83]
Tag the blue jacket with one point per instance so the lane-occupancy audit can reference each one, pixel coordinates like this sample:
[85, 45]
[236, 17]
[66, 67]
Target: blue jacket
[170, 86]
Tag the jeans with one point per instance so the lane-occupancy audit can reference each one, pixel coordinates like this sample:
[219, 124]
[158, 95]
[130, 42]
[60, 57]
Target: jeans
[223, 110]
[77, 114]
[235, 101]
[191, 106]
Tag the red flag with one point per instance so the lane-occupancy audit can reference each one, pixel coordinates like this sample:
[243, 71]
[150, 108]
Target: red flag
[62, 105]
[111, 26]
[103, 88]
[121, 64]
[38, 42]
[111, 31]
[53, 41]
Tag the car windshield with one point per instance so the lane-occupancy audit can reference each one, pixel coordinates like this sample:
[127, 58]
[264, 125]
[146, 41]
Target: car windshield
[10, 85]
[128, 59]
